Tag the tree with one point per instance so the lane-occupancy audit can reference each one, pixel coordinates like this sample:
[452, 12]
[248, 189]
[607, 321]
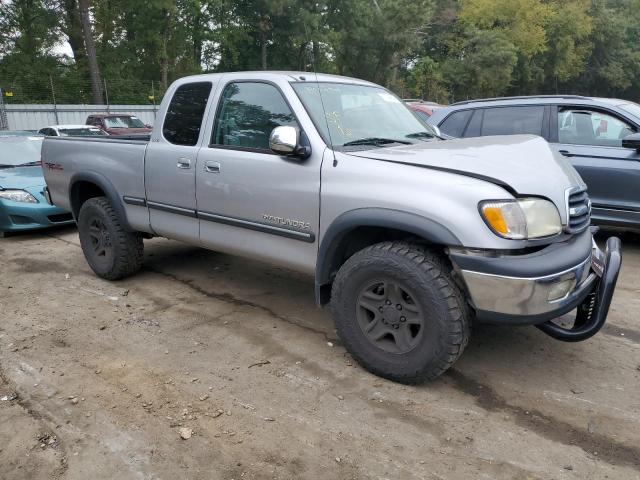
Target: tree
[90, 48]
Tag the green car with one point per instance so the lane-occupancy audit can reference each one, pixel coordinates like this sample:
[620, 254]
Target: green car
[22, 203]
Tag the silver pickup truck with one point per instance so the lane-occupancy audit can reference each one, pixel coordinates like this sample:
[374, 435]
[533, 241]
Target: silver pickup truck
[410, 238]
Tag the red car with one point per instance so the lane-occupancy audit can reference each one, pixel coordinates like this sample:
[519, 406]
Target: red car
[423, 108]
[118, 124]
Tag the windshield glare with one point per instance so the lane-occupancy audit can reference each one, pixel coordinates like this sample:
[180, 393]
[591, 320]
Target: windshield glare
[123, 122]
[19, 150]
[355, 112]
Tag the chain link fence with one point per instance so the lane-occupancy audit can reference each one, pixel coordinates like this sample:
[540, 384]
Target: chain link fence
[61, 90]
[30, 103]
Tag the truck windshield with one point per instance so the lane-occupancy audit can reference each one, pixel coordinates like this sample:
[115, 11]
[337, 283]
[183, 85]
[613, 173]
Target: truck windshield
[123, 122]
[81, 132]
[351, 116]
[632, 108]
[16, 151]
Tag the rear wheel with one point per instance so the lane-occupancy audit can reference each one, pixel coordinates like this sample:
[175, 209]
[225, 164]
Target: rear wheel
[111, 251]
[399, 312]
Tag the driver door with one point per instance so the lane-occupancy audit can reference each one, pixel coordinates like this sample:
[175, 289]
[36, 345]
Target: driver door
[251, 201]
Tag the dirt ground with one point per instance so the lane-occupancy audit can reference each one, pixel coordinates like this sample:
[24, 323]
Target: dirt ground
[97, 379]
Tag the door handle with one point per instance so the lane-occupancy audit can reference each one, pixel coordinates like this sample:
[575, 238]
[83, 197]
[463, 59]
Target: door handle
[212, 167]
[184, 163]
[566, 153]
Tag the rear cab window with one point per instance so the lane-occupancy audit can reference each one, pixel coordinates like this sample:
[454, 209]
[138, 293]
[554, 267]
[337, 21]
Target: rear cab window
[183, 120]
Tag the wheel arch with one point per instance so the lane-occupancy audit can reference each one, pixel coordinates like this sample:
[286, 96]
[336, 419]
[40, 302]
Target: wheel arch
[86, 185]
[357, 229]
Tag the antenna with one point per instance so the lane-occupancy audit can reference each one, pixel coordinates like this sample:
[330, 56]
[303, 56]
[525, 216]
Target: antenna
[315, 74]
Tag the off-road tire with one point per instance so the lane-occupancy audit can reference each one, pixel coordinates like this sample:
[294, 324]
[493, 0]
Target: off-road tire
[124, 249]
[444, 310]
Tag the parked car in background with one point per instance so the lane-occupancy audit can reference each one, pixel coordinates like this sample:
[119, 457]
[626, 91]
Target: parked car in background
[422, 108]
[119, 124]
[408, 237]
[18, 133]
[598, 135]
[22, 204]
[72, 131]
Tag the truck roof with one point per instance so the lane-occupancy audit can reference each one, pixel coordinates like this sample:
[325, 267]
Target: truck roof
[279, 75]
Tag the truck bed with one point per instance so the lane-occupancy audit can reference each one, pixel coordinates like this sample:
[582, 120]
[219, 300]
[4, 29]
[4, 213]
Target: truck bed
[118, 162]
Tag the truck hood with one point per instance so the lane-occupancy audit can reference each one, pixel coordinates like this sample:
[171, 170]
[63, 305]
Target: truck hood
[522, 164]
[21, 177]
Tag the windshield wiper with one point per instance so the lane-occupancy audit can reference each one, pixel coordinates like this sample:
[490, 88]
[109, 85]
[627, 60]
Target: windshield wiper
[421, 135]
[29, 164]
[376, 141]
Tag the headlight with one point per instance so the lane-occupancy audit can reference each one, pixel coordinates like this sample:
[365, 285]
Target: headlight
[17, 196]
[521, 219]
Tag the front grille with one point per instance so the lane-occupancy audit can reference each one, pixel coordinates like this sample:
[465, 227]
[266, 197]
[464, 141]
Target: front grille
[60, 217]
[578, 209]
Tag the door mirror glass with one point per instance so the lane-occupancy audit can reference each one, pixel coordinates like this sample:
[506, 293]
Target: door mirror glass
[284, 140]
[632, 141]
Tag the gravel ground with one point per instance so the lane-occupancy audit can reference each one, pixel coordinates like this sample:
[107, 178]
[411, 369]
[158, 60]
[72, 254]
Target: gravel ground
[205, 366]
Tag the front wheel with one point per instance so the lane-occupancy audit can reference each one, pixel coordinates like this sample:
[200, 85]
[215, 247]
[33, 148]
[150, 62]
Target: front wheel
[111, 251]
[399, 312]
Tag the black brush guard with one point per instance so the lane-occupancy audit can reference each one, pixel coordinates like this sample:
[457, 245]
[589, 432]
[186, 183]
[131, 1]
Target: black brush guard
[592, 313]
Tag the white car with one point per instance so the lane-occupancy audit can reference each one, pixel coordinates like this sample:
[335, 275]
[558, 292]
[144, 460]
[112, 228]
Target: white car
[72, 131]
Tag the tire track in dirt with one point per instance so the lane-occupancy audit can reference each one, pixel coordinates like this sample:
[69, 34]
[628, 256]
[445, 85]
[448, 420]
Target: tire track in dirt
[548, 427]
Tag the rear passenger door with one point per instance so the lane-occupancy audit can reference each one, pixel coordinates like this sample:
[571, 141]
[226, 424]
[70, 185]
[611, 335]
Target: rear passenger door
[170, 164]
[592, 140]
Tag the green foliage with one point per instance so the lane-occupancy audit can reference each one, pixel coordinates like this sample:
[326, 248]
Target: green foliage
[436, 49]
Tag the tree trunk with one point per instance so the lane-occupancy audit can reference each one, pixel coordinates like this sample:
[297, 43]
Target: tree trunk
[263, 45]
[197, 38]
[73, 30]
[92, 57]
[264, 26]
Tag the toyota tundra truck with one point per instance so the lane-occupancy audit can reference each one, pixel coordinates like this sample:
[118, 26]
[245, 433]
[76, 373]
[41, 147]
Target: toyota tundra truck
[410, 239]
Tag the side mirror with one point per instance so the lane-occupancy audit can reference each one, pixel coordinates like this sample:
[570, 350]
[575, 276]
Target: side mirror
[632, 141]
[285, 140]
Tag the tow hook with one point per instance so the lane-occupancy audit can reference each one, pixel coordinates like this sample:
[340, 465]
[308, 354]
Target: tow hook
[592, 313]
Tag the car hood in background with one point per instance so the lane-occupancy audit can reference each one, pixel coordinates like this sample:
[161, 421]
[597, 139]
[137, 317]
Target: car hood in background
[524, 164]
[21, 177]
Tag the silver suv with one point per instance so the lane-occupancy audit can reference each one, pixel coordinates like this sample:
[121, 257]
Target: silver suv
[409, 238]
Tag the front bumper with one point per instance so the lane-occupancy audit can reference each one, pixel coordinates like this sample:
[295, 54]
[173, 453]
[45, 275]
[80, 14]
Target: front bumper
[551, 282]
[20, 216]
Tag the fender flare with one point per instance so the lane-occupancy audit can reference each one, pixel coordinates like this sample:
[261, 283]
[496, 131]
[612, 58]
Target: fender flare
[106, 186]
[345, 223]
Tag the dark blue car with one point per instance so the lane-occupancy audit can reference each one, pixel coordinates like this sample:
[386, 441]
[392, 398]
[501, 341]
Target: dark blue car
[598, 135]
[22, 204]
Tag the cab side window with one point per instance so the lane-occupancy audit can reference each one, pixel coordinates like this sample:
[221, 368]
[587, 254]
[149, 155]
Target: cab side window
[248, 113]
[455, 123]
[183, 119]
[578, 126]
[513, 120]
